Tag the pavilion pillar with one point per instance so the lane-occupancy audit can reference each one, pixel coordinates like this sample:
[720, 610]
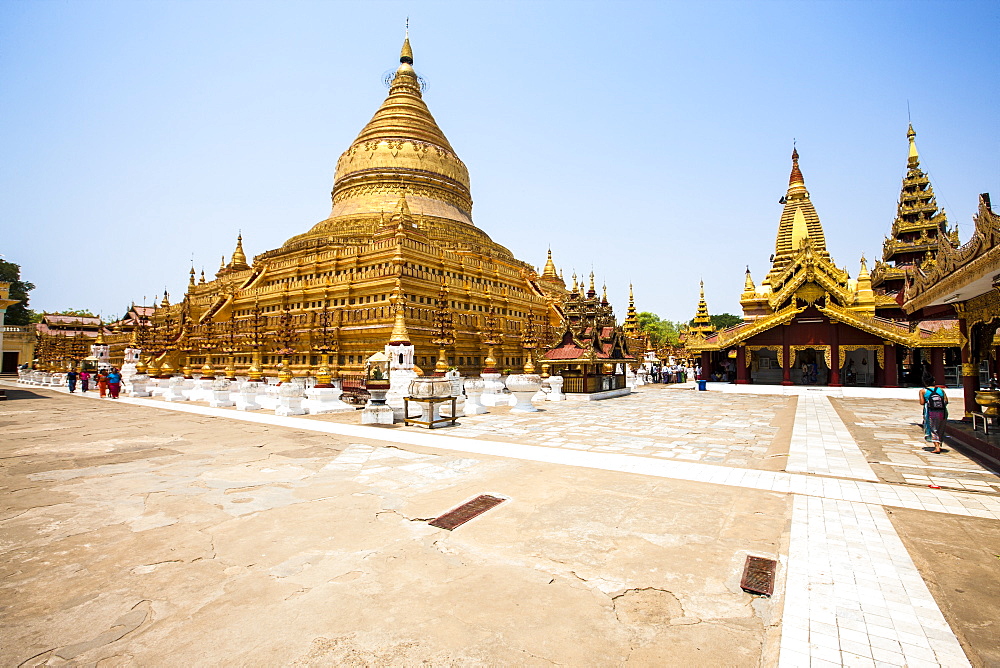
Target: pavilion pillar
[835, 356]
[891, 371]
[937, 365]
[786, 367]
[741, 365]
[706, 365]
[970, 371]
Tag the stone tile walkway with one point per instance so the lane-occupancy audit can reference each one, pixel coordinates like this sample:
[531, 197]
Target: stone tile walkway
[821, 443]
[853, 595]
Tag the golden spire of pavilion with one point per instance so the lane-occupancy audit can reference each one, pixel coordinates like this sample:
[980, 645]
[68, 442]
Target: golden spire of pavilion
[631, 324]
[191, 282]
[799, 223]
[913, 158]
[702, 320]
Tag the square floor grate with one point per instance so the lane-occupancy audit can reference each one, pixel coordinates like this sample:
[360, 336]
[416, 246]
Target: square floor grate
[758, 575]
[465, 512]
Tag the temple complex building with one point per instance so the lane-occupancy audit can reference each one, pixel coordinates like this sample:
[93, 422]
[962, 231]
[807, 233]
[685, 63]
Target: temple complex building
[808, 322]
[401, 222]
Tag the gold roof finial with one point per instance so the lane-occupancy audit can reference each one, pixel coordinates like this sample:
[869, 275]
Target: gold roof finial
[604, 294]
[222, 265]
[795, 180]
[591, 291]
[913, 158]
[399, 336]
[191, 278]
[576, 285]
[406, 54]
[631, 298]
[202, 279]
[748, 285]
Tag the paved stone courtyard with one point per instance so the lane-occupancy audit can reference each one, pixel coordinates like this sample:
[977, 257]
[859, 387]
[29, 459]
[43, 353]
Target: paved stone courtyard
[141, 533]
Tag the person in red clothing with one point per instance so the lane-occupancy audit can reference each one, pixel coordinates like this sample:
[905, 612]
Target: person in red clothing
[114, 383]
[102, 382]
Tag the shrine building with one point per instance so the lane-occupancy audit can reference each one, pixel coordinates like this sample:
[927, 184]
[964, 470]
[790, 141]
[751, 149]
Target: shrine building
[809, 322]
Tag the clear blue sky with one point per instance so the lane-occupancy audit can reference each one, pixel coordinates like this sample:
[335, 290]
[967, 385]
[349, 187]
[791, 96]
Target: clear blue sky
[648, 140]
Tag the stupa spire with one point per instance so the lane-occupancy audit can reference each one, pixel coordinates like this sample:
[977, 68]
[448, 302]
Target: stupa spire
[399, 336]
[239, 260]
[550, 268]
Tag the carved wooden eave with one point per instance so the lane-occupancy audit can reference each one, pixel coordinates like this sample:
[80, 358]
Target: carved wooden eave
[728, 338]
[957, 268]
[893, 331]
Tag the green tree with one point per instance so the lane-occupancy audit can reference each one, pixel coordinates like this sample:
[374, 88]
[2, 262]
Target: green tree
[18, 314]
[662, 332]
[725, 320]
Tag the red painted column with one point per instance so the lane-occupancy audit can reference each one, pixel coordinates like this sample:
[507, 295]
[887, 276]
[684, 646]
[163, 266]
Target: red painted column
[970, 371]
[937, 365]
[891, 371]
[879, 370]
[706, 365]
[741, 365]
[786, 368]
[835, 356]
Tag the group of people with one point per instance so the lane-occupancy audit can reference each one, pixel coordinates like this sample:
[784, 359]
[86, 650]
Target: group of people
[109, 382]
[675, 373]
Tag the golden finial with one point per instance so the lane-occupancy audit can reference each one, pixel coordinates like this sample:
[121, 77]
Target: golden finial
[191, 279]
[202, 280]
[406, 54]
[591, 290]
[576, 285]
[748, 285]
[604, 294]
[913, 158]
[631, 298]
[222, 265]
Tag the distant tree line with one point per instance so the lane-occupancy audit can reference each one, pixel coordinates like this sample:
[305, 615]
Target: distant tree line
[667, 332]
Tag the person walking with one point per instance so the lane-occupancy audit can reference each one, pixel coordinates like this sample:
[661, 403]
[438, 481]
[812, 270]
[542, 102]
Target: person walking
[102, 383]
[114, 383]
[84, 381]
[71, 379]
[935, 403]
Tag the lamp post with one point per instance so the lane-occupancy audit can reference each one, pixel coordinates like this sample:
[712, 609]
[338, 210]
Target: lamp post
[445, 331]
[286, 336]
[323, 344]
[255, 336]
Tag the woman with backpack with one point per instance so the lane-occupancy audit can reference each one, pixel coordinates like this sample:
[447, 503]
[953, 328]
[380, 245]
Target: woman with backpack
[935, 403]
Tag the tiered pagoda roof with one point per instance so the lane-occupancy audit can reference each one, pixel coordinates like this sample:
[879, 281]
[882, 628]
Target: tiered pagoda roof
[915, 231]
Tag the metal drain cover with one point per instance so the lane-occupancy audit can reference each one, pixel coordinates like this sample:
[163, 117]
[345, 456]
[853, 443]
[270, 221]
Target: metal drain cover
[758, 575]
[465, 512]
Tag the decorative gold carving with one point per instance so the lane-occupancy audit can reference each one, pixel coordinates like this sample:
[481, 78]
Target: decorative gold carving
[969, 370]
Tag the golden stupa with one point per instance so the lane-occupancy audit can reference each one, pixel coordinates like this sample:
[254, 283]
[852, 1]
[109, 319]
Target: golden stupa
[399, 240]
